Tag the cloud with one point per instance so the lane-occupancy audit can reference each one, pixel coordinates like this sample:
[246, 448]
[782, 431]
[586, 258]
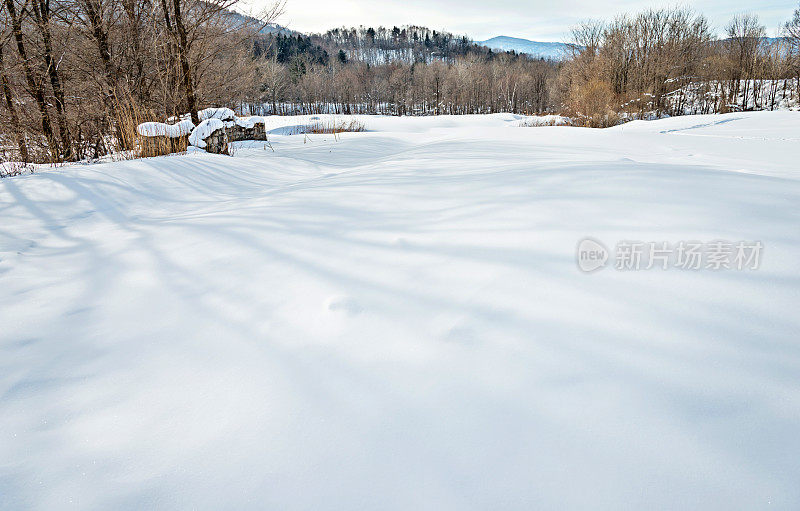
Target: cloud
[539, 20]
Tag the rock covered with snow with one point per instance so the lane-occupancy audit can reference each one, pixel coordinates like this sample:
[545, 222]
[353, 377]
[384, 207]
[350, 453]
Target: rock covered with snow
[217, 127]
[214, 134]
[204, 130]
[248, 122]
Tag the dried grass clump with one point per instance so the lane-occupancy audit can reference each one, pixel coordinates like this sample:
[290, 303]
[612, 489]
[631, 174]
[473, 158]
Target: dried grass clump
[335, 127]
[593, 104]
[131, 144]
[14, 168]
[548, 120]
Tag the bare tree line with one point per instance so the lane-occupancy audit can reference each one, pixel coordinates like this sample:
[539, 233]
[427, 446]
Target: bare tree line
[658, 62]
[468, 85]
[666, 62]
[78, 75]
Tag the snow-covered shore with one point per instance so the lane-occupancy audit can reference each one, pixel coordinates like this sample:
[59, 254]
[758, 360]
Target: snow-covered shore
[395, 320]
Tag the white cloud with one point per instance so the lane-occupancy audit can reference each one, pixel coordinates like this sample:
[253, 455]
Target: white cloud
[540, 20]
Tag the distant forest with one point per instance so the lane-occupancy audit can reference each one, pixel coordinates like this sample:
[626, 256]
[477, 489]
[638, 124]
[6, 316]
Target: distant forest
[399, 71]
[370, 45]
[658, 62]
[78, 76]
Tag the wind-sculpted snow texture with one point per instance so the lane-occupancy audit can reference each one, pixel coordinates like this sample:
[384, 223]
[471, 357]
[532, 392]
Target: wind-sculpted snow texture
[395, 320]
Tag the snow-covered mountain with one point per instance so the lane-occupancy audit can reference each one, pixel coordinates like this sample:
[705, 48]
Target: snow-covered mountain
[556, 51]
[274, 28]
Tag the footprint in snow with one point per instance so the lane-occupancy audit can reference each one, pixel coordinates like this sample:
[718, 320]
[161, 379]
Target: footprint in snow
[346, 304]
[462, 335]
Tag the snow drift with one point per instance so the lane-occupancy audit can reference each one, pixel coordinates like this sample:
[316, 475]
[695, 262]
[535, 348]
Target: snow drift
[395, 320]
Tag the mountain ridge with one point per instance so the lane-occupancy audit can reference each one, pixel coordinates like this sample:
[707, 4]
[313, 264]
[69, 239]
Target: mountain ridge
[543, 49]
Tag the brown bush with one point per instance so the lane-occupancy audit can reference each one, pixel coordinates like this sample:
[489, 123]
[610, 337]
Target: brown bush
[593, 104]
[128, 116]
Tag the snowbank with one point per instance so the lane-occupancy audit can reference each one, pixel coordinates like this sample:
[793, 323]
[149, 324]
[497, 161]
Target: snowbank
[218, 118]
[395, 320]
[160, 129]
[223, 114]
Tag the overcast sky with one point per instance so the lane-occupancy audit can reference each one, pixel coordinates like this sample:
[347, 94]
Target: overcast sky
[542, 20]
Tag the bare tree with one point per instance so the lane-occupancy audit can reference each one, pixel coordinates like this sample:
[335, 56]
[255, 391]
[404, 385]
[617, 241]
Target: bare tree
[792, 31]
[8, 96]
[42, 16]
[34, 83]
[190, 22]
[745, 37]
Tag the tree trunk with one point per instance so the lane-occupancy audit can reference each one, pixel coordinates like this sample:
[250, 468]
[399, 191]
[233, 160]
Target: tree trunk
[135, 39]
[41, 10]
[34, 89]
[15, 125]
[183, 56]
[100, 36]
[178, 31]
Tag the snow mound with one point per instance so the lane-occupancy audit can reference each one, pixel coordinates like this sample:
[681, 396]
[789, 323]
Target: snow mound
[223, 114]
[203, 131]
[160, 129]
[248, 122]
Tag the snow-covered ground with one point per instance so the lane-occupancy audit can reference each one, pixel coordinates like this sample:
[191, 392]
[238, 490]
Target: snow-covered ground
[395, 320]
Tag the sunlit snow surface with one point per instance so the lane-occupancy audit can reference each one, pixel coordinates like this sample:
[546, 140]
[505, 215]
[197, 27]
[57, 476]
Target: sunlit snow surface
[395, 320]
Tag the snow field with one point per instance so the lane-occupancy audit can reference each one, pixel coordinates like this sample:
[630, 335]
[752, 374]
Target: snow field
[395, 320]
